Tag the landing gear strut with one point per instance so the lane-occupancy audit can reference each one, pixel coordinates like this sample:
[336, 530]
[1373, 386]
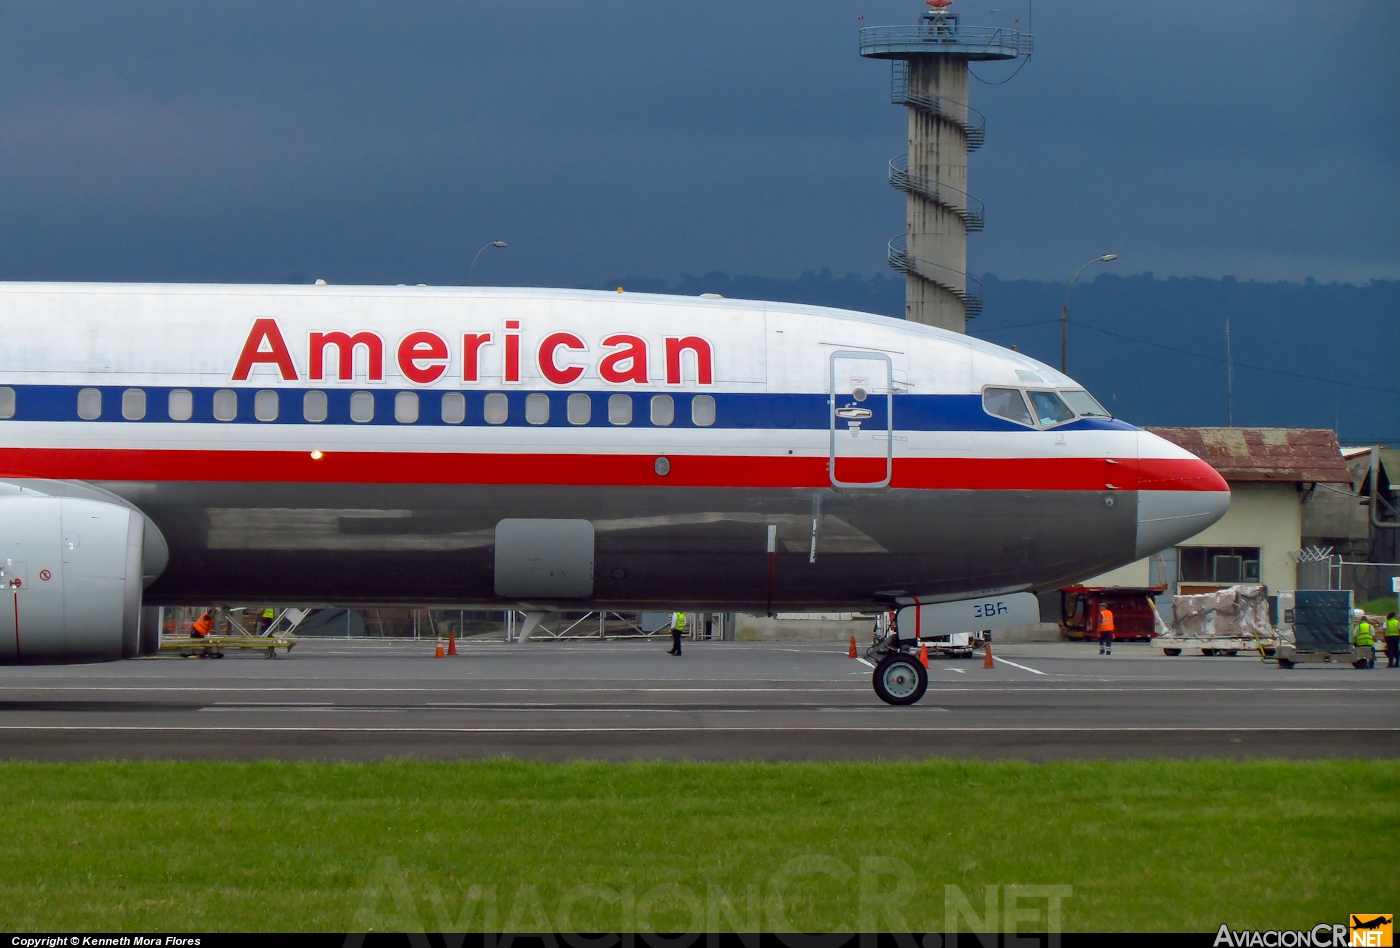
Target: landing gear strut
[900, 678]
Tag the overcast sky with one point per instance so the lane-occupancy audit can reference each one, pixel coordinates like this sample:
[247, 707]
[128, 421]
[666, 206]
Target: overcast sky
[385, 142]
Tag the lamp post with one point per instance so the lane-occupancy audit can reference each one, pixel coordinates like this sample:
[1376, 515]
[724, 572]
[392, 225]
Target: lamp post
[499, 244]
[1064, 313]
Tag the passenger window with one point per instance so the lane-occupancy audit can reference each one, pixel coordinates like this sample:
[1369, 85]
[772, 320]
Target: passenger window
[1085, 404]
[362, 407]
[663, 410]
[1050, 409]
[496, 409]
[619, 409]
[580, 409]
[225, 404]
[89, 404]
[314, 406]
[7, 402]
[1007, 403]
[454, 408]
[406, 408]
[134, 404]
[181, 404]
[702, 410]
[537, 408]
[265, 405]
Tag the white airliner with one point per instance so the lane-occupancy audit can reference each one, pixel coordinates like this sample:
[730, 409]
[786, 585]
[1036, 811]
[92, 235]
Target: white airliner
[545, 449]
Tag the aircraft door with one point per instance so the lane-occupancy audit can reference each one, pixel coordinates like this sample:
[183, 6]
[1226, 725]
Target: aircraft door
[862, 419]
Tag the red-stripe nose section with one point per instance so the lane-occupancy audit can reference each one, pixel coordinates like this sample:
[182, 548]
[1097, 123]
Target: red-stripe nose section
[1182, 472]
[1179, 495]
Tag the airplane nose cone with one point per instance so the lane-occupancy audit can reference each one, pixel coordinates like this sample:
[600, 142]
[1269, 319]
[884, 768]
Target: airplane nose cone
[1179, 495]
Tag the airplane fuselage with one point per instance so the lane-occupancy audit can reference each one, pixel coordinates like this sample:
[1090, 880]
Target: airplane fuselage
[365, 444]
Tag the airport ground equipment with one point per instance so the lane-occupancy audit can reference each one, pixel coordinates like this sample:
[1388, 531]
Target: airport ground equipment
[929, 76]
[952, 644]
[216, 646]
[1133, 617]
[1224, 622]
[1321, 625]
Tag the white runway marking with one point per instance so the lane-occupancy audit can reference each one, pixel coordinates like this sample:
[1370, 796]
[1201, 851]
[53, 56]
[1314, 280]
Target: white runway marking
[462, 686]
[605, 730]
[1381, 688]
[533, 709]
[1022, 667]
[865, 663]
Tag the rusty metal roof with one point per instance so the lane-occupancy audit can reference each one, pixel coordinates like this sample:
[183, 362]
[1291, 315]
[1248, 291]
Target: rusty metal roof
[1280, 455]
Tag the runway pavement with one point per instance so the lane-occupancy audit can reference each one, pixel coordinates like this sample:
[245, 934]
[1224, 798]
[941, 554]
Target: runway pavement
[367, 699]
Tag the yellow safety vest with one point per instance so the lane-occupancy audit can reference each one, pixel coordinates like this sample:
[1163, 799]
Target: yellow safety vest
[269, 613]
[678, 621]
[1363, 635]
[1392, 626]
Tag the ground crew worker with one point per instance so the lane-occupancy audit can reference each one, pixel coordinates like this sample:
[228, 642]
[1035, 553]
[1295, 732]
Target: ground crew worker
[1366, 639]
[265, 621]
[202, 626]
[677, 628]
[1392, 641]
[1105, 630]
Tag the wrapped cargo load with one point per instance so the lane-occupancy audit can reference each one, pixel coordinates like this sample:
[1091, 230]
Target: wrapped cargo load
[1225, 621]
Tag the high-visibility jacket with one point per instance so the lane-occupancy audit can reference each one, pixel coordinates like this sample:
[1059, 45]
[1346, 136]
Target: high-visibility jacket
[1363, 635]
[1105, 620]
[269, 613]
[1392, 626]
[678, 621]
[203, 624]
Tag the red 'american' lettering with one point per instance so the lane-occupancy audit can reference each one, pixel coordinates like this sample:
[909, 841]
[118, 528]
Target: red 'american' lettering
[548, 368]
[628, 363]
[265, 331]
[424, 357]
[345, 346]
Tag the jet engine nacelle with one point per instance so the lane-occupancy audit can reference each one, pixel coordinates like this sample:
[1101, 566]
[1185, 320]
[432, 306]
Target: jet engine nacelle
[73, 564]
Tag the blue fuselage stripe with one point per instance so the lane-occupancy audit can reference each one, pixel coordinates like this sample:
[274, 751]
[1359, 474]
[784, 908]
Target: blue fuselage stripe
[732, 409]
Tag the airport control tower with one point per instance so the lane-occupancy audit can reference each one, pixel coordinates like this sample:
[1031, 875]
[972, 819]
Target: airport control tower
[929, 75]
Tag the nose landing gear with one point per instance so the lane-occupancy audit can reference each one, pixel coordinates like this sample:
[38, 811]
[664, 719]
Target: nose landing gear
[900, 678]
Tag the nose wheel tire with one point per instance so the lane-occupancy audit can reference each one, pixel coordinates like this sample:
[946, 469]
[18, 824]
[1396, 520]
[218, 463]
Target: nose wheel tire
[900, 679]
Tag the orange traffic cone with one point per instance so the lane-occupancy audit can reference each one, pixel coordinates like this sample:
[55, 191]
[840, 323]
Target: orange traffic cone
[987, 661]
[923, 655]
[852, 652]
[452, 642]
[439, 653]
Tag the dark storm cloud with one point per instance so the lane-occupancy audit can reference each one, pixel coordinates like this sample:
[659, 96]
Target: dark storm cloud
[386, 142]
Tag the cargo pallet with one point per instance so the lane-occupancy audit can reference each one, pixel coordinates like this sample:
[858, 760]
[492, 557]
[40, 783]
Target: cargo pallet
[1219, 645]
[214, 646]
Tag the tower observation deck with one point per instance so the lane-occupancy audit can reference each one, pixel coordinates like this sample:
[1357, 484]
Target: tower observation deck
[929, 77]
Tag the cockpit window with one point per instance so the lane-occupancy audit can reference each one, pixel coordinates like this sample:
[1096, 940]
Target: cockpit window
[1050, 409]
[1084, 404]
[1007, 403]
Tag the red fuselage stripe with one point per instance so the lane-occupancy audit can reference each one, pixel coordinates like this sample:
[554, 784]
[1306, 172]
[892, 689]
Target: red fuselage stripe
[603, 470]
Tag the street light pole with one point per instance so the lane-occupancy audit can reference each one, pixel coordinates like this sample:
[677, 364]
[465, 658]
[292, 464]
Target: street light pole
[499, 244]
[1064, 312]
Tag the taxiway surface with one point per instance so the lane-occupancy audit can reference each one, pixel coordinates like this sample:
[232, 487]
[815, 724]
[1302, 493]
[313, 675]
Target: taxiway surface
[360, 700]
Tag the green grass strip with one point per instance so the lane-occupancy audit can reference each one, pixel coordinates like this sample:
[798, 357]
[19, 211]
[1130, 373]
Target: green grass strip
[1137, 845]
